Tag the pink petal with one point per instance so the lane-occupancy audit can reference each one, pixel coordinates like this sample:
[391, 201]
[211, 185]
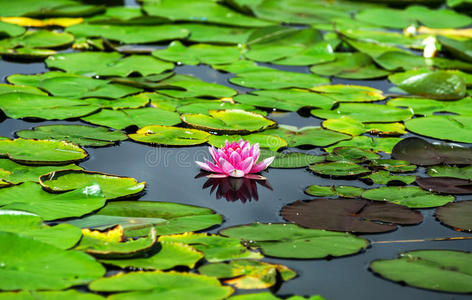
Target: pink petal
[246, 165]
[204, 166]
[262, 165]
[214, 154]
[214, 167]
[235, 159]
[226, 166]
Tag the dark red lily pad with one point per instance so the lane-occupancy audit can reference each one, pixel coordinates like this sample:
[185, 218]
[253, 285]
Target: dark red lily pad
[352, 215]
[457, 215]
[445, 185]
[421, 152]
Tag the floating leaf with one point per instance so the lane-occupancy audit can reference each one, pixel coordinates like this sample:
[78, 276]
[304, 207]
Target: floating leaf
[384, 177]
[77, 134]
[349, 93]
[25, 260]
[228, 121]
[215, 248]
[170, 136]
[364, 112]
[368, 143]
[135, 101]
[291, 241]
[339, 168]
[459, 48]
[287, 99]
[445, 185]
[62, 236]
[348, 125]
[291, 159]
[449, 171]
[41, 152]
[112, 186]
[189, 86]
[456, 215]
[7, 29]
[48, 7]
[272, 142]
[137, 217]
[270, 296]
[440, 270]
[9, 88]
[334, 190]
[207, 33]
[354, 215]
[32, 198]
[169, 255]
[248, 274]
[351, 154]
[410, 196]
[46, 295]
[311, 135]
[452, 128]
[429, 107]
[17, 173]
[392, 165]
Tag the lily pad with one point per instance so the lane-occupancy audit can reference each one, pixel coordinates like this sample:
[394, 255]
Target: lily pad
[215, 248]
[47, 295]
[25, 260]
[445, 185]
[459, 48]
[112, 186]
[9, 88]
[168, 256]
[351, 154]
[348, 125]
[292, 241]
[9, 30]
[449, 171]
[62, 236]
[339, 168]
[365, 113]
[181, 86]
[291, 159]
[17, 173]
[429, 107]
[41, 152]
[170, 136]
[228, 121]
[162, 285]
[25, 105]
[410, 196]
[207, 33]
[289, 99]
[439, 270]
[385, 177]
[248, 274]
[353, 215]
[30, 197]
[137, 217]
[456, 215]
[349, 93]
[311, 135]
[77, 134]
[392, 165]
[271, 142]
[452, 128]
[134, 101]
[368, 143]
[334, 190]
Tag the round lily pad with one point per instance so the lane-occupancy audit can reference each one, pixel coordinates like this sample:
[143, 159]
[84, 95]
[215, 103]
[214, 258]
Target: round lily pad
[339, 168]
[354, 215]
[456, 215]
[310, 135]
[365, 112]
[18, 173]
[452, 128]
[170, 136]
[410, 196]
[445, 185]
[334, 190]
[228, 121]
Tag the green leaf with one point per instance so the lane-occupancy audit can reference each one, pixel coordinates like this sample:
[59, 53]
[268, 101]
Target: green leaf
[276, 79]
[32, 198]
[311, 135]
[77, 134]
[456, 215]
[189, 86]
[137, 217]
[410, 196]
[170, 255]
[62, 236]
[215, 248]
[439, 270]
[349, 93]
[49, 295]
[428, 107]
[170, 136]
[369, 143]
[290, 159]
[452, 128]
[112, 186]
[334, 190]
[24, 105]
[451, 171]
[391, 165]
[9, 30]
[207, 33]
[25, 260]
[339, 168]
[135, 101]
[352, 154]
[459, 48]
[286, 99]
[384, 177]
[365, 112]
[291, 241]
[17, 173]
[355, 127]
[41, 152]
[9, 88]
[271, 142]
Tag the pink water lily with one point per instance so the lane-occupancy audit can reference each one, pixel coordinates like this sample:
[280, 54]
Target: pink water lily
[235, 160]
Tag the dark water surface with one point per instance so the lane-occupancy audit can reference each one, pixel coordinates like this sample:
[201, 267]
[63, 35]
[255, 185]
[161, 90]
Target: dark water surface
[170, 176]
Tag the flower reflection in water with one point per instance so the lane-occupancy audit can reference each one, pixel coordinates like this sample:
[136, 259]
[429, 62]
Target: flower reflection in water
[234, 189]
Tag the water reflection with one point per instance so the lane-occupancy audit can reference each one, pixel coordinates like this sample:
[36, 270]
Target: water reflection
[234, 189]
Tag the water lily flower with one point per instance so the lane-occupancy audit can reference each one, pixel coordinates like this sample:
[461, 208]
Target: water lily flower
[236, 160]
[430, 48]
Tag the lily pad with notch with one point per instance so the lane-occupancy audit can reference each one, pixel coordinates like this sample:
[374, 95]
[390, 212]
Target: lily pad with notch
[365, 113]
[449, 171]
[368, 143]
[385, 177]
[334, 190]
[17, 173]
[410, 196]
[339, 169]
[456, 215]
[170, 136]
[451, 128]
[310, 135]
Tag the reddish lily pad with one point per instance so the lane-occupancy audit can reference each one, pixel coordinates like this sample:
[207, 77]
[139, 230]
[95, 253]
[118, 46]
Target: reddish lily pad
[446, 185]
[456, 215]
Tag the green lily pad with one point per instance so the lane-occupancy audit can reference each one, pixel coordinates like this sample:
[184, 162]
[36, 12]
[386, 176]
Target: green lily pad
[350, 66]
[334, 190]
[18, 173]
[215, 248]
[287, 99]
[456, 215]
[170, 255]
[365, 112]
[291, 159]
[392, 165]
[62, 236]
[384, 177]
[107, 64]
[201, 11]
[120, 119]
[352, 154]
[368, 143]
[248, 274]
[207, 33]
[410, 196]
[271, 142]
[439, 270]
[228, 121]
[162, 285]
[134, 101]
[48, 295]
[189, 86]
[452, 128]
[291, 241]
[9, 88]
[199, 54]
[25, 259]
[57, 8]
[112, 186]
[276, 79]
[137, 217]
[9, 30]
[349, 93]
[451, 171]
[41, 152]
[170, 136]
[311, 135]
[459, 48]
[24, 105]
[130, 34]
[34, 40]
[77, 134]
[339, 168]
[428, 107]
[30, 197]
[198, 106]
[348, 125]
